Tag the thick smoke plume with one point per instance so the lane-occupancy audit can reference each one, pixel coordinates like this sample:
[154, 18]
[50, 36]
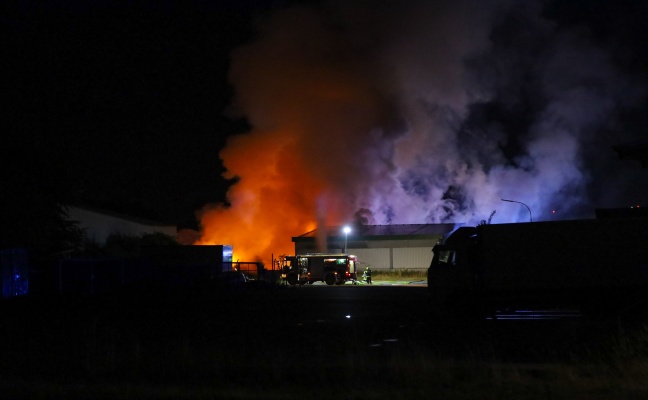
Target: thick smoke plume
[422, 112]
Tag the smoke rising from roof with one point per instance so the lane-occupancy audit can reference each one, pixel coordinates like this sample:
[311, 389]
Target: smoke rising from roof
[426, 112]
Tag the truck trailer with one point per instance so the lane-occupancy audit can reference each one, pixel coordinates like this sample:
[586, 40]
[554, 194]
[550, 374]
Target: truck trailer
[591, 264]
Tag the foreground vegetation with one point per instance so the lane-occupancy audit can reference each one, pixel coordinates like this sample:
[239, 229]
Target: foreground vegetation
[436, 380]
[399, 275]
[151, 347]
[408, 374]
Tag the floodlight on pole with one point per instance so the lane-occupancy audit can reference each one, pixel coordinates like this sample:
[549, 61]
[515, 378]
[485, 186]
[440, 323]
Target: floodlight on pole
[346, 231]
[519, 202]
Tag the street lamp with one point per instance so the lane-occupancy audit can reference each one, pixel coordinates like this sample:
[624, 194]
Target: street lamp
[519, 202]
[346, 231]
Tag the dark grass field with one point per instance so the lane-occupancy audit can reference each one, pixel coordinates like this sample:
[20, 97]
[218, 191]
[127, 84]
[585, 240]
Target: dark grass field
[306, 342]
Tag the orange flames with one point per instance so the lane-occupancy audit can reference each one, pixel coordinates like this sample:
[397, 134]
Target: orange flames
[278, 196]
[302, 165]
[271, 203]
[289, 183]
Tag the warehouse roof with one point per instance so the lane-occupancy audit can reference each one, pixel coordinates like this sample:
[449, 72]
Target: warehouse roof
[368, 232]
[637, 151]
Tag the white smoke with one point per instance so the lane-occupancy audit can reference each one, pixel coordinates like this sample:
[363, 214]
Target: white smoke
[433, 111]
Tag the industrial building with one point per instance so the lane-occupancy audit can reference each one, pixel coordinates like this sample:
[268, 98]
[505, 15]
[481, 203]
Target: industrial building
[98, 224]
[386, 247]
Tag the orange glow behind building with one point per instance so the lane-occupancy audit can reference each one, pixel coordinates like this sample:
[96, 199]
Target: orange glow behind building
[275, 199]
[301, 166]
[268, 204]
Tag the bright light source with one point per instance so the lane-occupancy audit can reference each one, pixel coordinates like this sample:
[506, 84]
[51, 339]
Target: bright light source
[346, 231]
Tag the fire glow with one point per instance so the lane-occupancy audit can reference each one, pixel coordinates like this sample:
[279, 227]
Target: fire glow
[288, 185]
[378, 118]
[299, 166]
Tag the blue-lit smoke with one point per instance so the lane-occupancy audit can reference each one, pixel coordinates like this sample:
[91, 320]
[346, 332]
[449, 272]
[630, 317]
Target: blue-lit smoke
[430, 112]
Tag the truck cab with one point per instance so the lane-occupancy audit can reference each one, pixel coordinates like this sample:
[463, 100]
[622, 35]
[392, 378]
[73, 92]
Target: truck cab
[592, 264]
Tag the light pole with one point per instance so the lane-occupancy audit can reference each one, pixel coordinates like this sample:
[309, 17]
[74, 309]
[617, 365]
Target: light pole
[346, 231]
[519, 202]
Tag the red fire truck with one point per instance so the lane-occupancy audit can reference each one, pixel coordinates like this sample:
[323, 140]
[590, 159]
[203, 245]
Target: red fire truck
[334, 269]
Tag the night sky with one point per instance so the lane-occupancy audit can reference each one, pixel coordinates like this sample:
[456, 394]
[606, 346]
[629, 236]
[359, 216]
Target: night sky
[119, 105]
[127, 105]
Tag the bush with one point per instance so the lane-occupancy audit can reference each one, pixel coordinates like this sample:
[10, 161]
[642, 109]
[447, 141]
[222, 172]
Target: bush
[399, 274]
[125, 246]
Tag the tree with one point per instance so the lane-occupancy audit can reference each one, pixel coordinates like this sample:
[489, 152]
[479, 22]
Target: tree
[126, 246]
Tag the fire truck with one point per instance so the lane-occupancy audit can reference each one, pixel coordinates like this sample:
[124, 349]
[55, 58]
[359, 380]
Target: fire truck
[333, 269]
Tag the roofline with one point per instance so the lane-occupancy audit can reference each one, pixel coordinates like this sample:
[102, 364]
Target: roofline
[307, 233]
[368, 237]
[310, 235]
[121, 216]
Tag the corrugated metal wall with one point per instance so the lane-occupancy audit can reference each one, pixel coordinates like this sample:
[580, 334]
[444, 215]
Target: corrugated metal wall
[373, 258]
[412, 258]
[414, 253]
[417, 258]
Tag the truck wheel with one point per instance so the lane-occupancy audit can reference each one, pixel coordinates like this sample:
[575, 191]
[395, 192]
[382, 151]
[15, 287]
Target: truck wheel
[329, 278]
[292, 279]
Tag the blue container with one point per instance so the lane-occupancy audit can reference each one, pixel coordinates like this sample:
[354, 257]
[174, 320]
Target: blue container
[14, 272]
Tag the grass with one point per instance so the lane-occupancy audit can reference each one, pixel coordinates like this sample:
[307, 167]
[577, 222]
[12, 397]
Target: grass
[399, 275]
[149, 348]
[406, 374]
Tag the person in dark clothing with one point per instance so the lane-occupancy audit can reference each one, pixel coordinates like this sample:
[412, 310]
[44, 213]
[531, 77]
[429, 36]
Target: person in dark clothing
[367, 275]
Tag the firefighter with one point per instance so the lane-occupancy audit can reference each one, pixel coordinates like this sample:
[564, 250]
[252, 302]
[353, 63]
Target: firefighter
[367, 275]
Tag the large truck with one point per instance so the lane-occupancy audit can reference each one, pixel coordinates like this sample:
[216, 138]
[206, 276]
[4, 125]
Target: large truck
[332, 268]
[590, 264]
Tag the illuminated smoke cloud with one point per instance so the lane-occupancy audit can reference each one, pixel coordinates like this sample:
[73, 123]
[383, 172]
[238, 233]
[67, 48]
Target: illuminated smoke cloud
[416, 112]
